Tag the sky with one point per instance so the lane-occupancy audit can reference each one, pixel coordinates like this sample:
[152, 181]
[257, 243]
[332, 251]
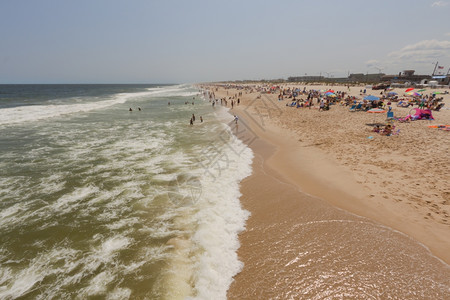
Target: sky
[149, 41]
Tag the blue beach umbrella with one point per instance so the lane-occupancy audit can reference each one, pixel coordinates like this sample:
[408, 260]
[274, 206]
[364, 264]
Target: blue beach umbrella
[371, 98]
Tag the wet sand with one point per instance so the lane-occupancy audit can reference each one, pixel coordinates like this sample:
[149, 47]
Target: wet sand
[299, 244]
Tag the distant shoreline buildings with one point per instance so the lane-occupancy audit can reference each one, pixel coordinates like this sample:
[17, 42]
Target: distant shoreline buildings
[407, 77]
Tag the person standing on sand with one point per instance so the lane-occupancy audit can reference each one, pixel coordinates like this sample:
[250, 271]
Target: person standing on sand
[236, 119]
[322, 105]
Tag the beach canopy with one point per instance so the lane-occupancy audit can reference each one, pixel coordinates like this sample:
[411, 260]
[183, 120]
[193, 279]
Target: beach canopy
[410, 89]
[422, 114]
[371, 98]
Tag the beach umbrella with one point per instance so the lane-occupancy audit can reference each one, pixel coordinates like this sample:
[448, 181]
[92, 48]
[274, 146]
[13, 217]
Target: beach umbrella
[414, 94]
[371, 98]
[422, 90]
[376, 111]
[437, 93]
[410, 89]
[330, 91]
[330, 94]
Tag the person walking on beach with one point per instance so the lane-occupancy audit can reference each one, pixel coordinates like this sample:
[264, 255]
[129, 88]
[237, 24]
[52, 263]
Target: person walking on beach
[236, 119]
[201, 119]
[322, 105]
[193, 117]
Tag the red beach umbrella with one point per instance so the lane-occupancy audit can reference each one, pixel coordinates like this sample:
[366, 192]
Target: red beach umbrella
[410, 89]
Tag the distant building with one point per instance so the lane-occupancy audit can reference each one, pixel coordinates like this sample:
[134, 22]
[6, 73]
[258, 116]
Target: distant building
[441, 79]
[306, 79]
[361, 77]
[406, 76]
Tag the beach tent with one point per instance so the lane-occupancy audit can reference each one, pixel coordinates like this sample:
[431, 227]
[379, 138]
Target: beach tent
[422, 114]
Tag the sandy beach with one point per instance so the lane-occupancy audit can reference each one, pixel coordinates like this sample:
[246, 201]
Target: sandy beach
[335, 160]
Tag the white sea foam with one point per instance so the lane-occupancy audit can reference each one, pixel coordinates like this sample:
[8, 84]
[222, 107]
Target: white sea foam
[219, 218]
[69, 202]
[21, 114]
[174, 91]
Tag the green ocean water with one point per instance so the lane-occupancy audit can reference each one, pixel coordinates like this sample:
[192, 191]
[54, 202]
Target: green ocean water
[100, 201]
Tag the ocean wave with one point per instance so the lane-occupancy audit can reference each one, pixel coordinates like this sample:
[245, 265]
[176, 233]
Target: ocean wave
[123, 201]
[56, 108]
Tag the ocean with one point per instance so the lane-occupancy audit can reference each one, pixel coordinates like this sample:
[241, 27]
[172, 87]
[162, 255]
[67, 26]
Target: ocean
[100, 201]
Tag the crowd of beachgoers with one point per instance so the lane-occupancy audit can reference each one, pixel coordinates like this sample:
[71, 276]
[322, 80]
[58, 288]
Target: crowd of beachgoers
[322, 116]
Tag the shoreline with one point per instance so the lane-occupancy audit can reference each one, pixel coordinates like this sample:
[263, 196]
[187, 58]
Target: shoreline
[307, 170]
[316, 173]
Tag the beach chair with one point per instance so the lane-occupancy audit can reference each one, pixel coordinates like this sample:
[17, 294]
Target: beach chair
[358, 107]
